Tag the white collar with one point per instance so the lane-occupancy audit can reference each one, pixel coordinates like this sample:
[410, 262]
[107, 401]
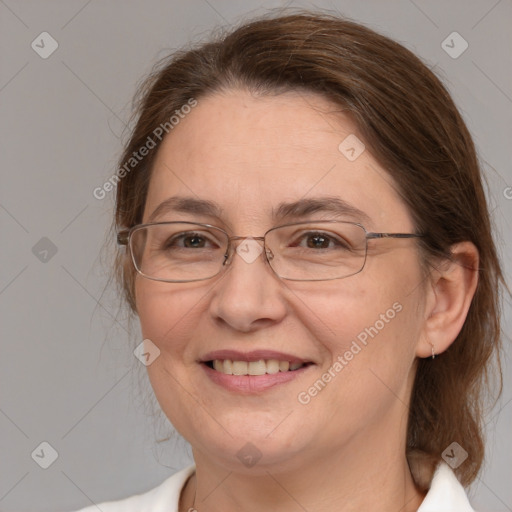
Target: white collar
[446, 493]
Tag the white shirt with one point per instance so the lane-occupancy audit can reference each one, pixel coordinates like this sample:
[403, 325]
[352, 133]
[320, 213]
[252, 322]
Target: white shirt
[446, 494]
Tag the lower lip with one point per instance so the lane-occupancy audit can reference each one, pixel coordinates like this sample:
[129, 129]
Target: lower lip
[252, 383]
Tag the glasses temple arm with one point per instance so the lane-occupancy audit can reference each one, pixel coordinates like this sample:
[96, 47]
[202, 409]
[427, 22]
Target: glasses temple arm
[394, 235]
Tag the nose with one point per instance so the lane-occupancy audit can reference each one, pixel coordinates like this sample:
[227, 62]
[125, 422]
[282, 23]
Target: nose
[248, 295]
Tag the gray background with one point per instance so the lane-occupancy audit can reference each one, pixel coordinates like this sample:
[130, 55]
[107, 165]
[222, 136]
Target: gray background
[68, 375]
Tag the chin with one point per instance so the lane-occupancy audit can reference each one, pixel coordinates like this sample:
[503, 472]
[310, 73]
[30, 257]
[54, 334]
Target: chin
[253, 447]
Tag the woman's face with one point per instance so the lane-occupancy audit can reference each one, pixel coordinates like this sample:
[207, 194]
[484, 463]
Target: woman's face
[358, 335]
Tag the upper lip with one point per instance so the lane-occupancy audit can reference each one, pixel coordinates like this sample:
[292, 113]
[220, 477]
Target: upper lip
[253, 355]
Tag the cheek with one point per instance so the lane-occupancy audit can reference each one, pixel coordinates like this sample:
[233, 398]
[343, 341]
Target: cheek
[167, 315]
[369, 320]
[345, 311]
[370, 353]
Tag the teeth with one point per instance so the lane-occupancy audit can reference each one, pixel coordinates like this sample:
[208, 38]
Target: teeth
[261, 367]
[227, 367]
[239, 367]
[257, 367]
[272, 366]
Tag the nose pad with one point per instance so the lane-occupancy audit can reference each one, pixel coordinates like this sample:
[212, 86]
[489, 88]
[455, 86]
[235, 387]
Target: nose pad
[227, 258]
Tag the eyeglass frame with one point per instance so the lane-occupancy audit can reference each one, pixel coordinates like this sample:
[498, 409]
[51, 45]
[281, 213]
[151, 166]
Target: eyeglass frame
[123, 238]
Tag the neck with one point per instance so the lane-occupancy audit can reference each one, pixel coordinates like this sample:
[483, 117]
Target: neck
[354, 480]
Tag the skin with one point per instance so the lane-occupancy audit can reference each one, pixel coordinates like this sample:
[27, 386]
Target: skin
[345, 449]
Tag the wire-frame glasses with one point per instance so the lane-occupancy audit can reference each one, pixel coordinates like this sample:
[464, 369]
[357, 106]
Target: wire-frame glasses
[180, 251]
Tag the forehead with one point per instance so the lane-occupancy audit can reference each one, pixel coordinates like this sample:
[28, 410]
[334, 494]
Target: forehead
[249, 155]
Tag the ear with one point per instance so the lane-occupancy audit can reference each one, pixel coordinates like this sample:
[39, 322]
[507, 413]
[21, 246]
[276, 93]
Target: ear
[448, 296]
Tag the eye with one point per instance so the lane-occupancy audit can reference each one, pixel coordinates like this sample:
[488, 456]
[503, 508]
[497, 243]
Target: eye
[189, 240]
[318, 241]
[322, 240]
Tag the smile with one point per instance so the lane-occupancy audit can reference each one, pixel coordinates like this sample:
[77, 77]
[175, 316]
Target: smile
[260, 367]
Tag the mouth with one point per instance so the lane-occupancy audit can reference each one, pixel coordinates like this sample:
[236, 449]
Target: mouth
[254, 368]
[252, 372]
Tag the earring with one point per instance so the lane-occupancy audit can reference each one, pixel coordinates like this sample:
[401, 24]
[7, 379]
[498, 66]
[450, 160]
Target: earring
[433, 351]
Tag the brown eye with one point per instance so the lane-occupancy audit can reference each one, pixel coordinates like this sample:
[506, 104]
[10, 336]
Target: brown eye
[320, 240]
[193, 241]
[188, 241]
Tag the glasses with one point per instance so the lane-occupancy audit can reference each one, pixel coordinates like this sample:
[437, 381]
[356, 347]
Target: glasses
[181, 252]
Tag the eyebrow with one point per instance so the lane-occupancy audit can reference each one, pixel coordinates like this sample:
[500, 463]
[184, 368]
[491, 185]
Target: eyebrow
[285, 211]
[186, 205]
[326, 204]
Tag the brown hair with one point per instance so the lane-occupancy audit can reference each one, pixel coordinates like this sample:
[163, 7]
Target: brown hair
[412, 127]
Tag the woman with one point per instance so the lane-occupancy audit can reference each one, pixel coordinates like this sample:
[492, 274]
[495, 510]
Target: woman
[309, 252]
